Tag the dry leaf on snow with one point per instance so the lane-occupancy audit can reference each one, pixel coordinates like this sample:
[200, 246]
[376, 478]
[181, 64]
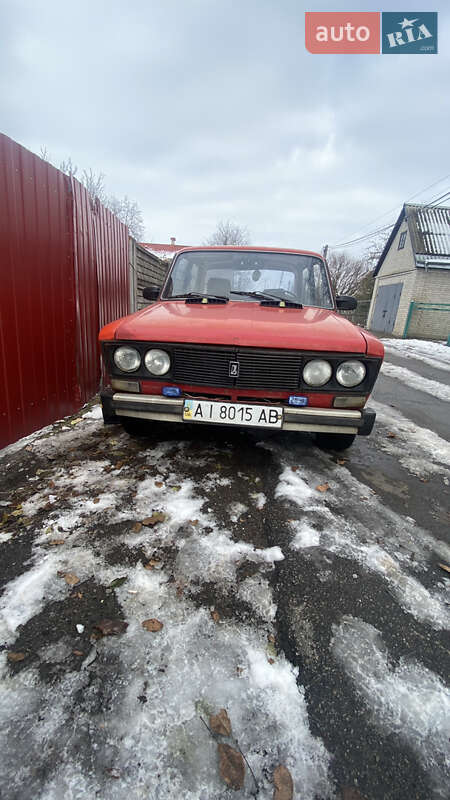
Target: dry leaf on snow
[70, 578]
[215, 615]
[154, 562]
[152, 625]
[137, 527]
[220, 723]
[15, 657]
[231, 766]
[391, 435]
[284, 786]
[444, 567]
[158, 516]
[323, 487]
[111, 627]
[159, 484]
[55, 542]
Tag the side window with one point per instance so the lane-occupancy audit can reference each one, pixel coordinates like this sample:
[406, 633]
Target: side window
[401, 241]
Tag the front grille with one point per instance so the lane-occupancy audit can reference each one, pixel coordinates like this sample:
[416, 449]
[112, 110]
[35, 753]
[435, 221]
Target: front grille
[269, 369]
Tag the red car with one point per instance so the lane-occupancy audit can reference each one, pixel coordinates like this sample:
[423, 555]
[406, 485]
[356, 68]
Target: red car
[245, 336]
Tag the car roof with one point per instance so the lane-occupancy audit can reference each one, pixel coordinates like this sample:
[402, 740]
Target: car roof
[249, 248]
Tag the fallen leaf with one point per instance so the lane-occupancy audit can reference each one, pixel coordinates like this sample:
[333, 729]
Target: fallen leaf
[78, 652]
[152, 625]
[231, 766]
[111, 627]
[271, 660]
[350, 793]
[152, 563]
[70, 578]
[119, 465]
[159, 484]
[15, 657]
[194, 522]
[220, 723]
[96, 500]
[118, 582]
[158, 516]
[75, 421]
[271, 638]
[294, 469]
[54, 542]
[323, 487]
[284, 785]
[444, 566]
[391, 435]
[51, 484]
[215, 615]
[341, 461]
[137, 527]
[180, 590]
[29, 448]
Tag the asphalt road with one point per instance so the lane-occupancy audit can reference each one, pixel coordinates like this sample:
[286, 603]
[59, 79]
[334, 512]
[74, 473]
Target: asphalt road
[328, 563]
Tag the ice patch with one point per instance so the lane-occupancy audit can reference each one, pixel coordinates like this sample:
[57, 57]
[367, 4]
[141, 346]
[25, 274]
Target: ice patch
[435, 354]
[435, 388]
[24, 596]
[305, 536]
[94, 413]
[409, 700]
[435, 449]
[256, 591]
[291, 486]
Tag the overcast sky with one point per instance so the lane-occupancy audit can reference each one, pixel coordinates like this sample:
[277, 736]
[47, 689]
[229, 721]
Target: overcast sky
[208, 109]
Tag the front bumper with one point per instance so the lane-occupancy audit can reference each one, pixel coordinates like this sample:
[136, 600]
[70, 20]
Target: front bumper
[168, 409]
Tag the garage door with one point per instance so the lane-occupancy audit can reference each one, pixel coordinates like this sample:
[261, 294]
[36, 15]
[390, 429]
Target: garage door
[386, 307]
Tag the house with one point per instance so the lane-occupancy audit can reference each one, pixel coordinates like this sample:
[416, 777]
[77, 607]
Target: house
[164, 251]
[411, 296]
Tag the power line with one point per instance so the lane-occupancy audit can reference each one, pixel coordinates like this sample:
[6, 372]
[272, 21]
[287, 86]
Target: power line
[369, 235]
[411, 197]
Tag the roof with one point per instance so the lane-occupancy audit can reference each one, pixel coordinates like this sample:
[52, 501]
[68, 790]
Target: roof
[429, 230]
[163, 250]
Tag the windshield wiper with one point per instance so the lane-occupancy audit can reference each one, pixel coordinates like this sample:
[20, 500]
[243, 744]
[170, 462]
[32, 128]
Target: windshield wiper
[266, 296]
[194, 296]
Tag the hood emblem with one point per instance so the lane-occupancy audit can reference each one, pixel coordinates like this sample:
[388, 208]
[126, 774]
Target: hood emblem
[233, 369]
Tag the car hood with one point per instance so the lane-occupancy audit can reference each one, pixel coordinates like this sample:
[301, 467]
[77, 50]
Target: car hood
[244, 324]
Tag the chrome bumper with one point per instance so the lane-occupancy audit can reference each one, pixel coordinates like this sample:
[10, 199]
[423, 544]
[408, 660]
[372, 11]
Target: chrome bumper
[314, 420]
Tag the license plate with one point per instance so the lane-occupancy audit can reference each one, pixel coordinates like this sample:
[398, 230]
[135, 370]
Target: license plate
[232, 414]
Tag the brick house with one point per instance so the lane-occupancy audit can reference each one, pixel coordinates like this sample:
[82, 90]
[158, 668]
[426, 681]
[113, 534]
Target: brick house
[411, 295]
[164, 251]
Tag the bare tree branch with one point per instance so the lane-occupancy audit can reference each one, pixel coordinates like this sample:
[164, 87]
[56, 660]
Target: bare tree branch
[346, 272]
[229, 233]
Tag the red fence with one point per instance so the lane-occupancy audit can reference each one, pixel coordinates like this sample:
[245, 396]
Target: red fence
[63, 274]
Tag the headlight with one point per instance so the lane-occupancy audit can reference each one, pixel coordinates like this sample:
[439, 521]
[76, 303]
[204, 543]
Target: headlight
[157, 362]
[350, 373]
[127, 359]
[317, 372]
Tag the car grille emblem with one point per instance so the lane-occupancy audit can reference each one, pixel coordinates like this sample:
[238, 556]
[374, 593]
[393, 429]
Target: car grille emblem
[233, 369]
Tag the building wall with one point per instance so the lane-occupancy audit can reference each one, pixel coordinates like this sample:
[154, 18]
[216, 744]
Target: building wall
[431, 286]
[397, 267]
[148, 271]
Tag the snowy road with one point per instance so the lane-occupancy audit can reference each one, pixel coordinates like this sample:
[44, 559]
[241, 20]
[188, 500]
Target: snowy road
[297, 589]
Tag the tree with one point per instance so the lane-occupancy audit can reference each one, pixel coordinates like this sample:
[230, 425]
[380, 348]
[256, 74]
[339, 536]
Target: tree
[346, 272]
[228, 233]
[125, 209]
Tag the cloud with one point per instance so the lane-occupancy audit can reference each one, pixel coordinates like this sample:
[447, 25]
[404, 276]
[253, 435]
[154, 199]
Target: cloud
[203, 110]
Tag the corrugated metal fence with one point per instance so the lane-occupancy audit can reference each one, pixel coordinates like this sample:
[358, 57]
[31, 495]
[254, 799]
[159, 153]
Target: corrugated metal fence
[63, 274]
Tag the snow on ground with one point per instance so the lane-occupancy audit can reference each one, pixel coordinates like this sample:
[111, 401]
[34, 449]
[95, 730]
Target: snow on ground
[381, 541]
[421, 451]
[435, 388]
[435, 354]
[156, 747]
[408, 700]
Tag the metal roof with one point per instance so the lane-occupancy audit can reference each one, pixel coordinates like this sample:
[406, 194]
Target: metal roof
[429, 228]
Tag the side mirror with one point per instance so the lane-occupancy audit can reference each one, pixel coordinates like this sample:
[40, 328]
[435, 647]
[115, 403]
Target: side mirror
[151, 292]
[346, 303]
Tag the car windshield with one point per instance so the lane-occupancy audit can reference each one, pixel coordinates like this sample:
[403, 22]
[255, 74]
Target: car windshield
[298, 278]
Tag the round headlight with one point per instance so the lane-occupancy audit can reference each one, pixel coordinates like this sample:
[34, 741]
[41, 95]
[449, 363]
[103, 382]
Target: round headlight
[350, 373]
[127, 359]
[317, 372]
[157, 362]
